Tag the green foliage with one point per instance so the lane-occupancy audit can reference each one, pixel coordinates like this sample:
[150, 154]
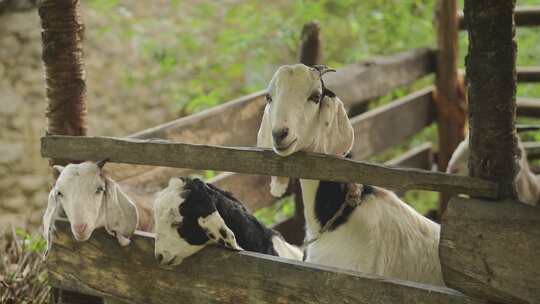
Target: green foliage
[276, 213]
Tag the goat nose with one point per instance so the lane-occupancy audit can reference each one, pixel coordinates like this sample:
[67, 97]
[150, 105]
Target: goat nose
[280, 135]
[80, 228]
[159, 257]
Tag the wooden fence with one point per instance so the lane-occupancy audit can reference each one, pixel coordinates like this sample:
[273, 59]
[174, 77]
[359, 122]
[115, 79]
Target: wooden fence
[214, 139]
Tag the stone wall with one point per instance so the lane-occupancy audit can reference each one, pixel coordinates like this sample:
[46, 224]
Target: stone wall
[113, 110]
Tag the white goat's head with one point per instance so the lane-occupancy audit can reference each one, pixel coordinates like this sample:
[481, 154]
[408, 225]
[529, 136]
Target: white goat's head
[89, 200]
[186, 220]
[302, 115]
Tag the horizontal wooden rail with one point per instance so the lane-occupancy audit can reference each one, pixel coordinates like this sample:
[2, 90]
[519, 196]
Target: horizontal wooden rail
[528, 74]
[217, 275]
[404, 117]
[236, 123]
[529, 107]
[533, 149]
[524, 16]
[490, 250]
[389, 125]
[259, 161]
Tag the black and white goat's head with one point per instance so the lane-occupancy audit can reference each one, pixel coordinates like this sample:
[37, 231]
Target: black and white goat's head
[186, 220]
[302, 115]
[89, 200]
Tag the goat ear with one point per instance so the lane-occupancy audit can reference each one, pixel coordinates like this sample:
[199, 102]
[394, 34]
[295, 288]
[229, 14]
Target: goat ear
[121, 215]
[337, 134]
[217, 231]
[278, 185]
[58, 169]
[48, 220]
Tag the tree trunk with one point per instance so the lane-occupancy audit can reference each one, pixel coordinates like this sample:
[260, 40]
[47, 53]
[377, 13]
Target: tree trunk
[491, 75]
[450, 104]
[62, 34]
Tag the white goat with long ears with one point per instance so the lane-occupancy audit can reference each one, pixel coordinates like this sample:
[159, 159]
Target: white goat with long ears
[378, 233]
[90, 200]
[527, 184]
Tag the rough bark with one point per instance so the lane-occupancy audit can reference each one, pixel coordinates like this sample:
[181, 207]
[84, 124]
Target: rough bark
[62, 34]
[491, 77]
[311, 51]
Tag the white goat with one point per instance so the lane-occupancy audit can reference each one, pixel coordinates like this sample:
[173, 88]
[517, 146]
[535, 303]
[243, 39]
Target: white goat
[190, 214]
[527, 184]
[90, 200]
[381, 234]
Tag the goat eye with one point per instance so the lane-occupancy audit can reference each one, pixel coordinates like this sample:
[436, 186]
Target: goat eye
[315, 97]
[176, 224]
[100, 189]
[59, 194]
[268, 98]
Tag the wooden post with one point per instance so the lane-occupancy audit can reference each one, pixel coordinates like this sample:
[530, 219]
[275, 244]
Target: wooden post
[450, 103]
[62, 34]
[310, 54]
[491, 74]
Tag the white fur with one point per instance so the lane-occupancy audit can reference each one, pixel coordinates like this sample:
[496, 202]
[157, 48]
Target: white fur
[383, 235]
[527, 184]
[286, 250]
[89, 198]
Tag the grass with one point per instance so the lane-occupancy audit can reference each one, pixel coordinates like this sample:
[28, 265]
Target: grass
[22, 271]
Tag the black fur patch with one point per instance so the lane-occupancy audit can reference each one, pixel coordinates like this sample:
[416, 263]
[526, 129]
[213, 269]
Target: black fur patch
[203, 199]
[223, 233]
[329, 198]
[196, 205]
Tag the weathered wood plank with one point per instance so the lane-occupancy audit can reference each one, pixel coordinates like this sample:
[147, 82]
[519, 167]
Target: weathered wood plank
[523, 15]
[529, 107]
[528, 74]
[405, 117]
[252, 190]
[420, 157]
[379, 75]
[533, 149]
[391, 124]
[259, 161]
[491, 250]
[215, 275]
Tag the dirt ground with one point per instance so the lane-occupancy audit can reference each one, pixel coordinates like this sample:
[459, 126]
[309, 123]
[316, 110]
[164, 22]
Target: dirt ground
[24, 175]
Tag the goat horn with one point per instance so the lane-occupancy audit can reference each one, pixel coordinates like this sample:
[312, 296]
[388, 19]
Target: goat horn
[323, 69]
[102, 163]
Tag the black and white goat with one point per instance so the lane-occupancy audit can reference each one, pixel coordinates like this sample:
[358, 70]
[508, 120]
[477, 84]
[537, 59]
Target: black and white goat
[190, 214]
[90, 200]
[378, 233]
[527, 184]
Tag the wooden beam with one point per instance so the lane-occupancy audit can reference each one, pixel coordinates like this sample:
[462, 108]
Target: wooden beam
[375, 131]
[420, 157]
[491, 250]
[391, 124]
[524, 16]
[380, 75]
[449, 102]
[529, 107]
[491, 75]
[217, 275]
[528, 74]
[533, 149]
[259, 161]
